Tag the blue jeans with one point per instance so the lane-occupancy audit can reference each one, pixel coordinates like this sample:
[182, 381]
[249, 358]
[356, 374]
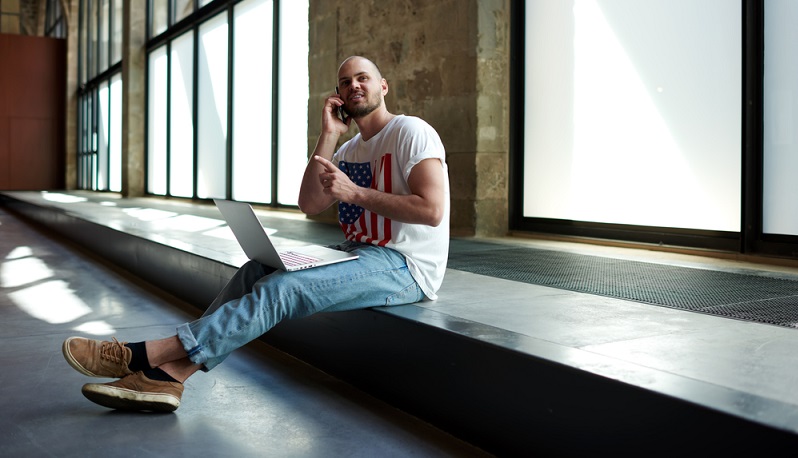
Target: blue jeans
[259, 297]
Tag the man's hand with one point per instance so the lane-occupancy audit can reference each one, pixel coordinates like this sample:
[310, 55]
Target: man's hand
[330, 122]
[335, 182]
[313, 197]
[424, 205]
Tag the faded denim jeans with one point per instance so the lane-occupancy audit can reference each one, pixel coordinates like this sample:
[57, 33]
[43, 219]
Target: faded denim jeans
[259, 297]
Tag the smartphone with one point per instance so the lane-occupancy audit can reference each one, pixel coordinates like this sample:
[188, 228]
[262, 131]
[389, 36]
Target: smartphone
[342, 115]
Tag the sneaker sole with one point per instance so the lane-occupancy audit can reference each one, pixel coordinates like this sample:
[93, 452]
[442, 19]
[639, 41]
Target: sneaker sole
[73, 362]
[124, 399]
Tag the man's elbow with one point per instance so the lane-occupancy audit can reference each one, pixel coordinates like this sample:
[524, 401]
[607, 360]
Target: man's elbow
[309, 207]
[434, 217]
[303, 205]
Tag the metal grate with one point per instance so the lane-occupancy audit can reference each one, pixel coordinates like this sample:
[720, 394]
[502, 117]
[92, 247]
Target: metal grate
[745, 297]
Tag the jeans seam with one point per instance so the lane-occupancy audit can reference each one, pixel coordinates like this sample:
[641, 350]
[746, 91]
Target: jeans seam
[388, 269]
[296, 289]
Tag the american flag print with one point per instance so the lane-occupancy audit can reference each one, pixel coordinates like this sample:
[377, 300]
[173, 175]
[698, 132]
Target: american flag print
[359, 224]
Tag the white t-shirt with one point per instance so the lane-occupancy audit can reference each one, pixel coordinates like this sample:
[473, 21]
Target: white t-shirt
[384, 163]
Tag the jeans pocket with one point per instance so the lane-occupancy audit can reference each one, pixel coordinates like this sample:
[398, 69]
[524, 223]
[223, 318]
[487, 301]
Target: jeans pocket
[408, 295]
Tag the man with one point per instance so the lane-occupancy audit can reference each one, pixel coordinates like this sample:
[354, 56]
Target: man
[392, 187]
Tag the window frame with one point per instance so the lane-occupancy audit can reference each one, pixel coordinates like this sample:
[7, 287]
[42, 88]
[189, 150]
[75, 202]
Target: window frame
[91, 78]
[749, 240]
[193, 22]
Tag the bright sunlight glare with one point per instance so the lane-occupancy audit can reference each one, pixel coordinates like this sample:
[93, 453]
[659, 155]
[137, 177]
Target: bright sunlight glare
[62, 198]
[20, 252]
[22, 271]
[96, 328]
[53, 302]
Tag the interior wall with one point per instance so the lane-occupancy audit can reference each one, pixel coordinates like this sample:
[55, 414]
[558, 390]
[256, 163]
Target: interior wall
[446, 61]
[32, 91]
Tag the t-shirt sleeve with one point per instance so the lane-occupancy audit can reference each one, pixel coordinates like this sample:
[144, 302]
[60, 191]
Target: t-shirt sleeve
[420, 142]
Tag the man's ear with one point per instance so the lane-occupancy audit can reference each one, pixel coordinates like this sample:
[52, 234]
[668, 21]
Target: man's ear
[384, 84]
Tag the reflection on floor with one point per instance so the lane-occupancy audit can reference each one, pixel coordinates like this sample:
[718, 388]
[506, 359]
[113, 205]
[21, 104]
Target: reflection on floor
[260, 402]
[739, 368]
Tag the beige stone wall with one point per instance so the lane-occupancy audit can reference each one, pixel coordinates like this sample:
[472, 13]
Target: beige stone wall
[134, 91]
[71, 10]
[447, 62]
[493, 118]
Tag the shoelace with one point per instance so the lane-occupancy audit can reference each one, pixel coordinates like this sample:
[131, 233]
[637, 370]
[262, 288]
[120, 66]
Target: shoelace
[113, 351]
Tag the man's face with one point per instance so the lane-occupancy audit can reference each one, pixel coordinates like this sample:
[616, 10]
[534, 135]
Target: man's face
[360, 86]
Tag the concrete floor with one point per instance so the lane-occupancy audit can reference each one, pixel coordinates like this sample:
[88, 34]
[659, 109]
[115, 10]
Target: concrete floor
[740, 368]
[259, 403]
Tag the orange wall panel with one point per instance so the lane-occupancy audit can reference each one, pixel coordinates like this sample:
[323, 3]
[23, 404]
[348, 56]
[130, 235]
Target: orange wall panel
[34, 140]
[5, 158]
[32, 116]
[4, 71]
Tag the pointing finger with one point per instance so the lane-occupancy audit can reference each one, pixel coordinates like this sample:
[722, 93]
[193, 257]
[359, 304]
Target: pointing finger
[325, 163]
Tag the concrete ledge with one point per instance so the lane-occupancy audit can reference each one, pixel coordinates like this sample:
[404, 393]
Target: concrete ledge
[527, 397]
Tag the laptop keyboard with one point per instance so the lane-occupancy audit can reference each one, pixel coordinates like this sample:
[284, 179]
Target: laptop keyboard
[291, 258]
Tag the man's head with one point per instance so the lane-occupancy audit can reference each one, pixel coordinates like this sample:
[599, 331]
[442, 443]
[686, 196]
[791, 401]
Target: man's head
[361, 86]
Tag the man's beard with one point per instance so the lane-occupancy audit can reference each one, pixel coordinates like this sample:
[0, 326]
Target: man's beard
[364, 109]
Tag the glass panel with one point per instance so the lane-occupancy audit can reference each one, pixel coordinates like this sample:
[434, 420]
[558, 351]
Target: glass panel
[116, 34]
[93, 29]
[780, 143]
[292, 151]
[616, 131]
[86, 126]
[115, 142]
[83, 38]
[182, 9]
[94, 146]
[54, 23]
[81, 139]
[204, 2]
[104, 34]
[181, 134]
[93, 172]
[103, 132]
[212, 108]
[160, 17]
[252, 100]
[157, 121]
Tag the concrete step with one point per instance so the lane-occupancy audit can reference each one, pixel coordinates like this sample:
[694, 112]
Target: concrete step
[507, 392]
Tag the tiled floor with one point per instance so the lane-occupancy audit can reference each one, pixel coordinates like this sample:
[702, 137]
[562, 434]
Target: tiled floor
[259, 403]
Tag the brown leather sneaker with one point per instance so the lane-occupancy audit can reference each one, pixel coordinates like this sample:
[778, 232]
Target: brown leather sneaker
[97, 358]
[136, 392]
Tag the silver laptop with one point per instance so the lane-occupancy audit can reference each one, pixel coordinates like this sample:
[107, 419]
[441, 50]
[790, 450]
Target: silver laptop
[256, 243]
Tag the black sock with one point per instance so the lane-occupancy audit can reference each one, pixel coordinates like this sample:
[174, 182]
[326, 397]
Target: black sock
[139, 361]
[158, 374]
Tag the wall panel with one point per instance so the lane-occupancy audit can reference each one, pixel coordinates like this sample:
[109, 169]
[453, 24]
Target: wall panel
[32, 99]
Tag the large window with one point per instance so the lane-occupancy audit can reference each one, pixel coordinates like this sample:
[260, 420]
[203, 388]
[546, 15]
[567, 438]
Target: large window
[616, 130]
[213, 94]
[212, 109]
[55, 23]
[252, 102]
[157, 121]
[780, 190]
[667, 121]
[99, 158]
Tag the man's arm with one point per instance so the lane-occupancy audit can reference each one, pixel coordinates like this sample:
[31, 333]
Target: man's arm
[312, 198]
[424, 205]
